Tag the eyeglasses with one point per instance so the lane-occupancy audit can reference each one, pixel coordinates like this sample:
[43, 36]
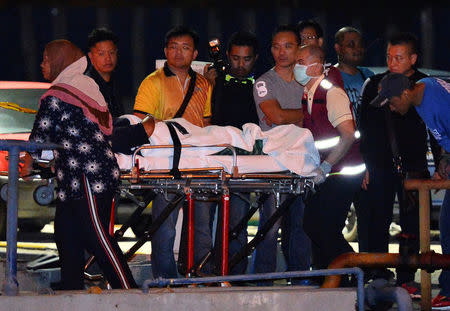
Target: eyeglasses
[308, 37]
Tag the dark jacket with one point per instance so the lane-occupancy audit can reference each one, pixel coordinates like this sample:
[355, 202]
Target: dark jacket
[410, 132]
[232, 102]
[108, 90]
[126, 137]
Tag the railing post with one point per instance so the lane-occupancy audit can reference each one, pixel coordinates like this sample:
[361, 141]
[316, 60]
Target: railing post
[11, 286]
[190, 237]
[13, 146]
[424, 216]
[424, 186]
[225, 231]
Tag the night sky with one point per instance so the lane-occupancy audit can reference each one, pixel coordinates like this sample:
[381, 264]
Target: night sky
[27, 26]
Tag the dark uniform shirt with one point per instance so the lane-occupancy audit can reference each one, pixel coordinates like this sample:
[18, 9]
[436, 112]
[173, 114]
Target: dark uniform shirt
[232, 102]
[410, 132]
[86, 149]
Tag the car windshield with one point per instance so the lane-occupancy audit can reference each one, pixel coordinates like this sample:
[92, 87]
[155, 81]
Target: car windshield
[13, 121]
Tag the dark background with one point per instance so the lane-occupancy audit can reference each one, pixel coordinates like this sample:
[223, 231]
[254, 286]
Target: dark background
[25, 28]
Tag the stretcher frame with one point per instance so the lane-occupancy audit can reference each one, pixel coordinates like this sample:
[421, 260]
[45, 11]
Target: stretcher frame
[201, 183]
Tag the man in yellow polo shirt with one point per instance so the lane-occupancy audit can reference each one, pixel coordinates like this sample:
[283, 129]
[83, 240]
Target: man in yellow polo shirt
[163, 91]
[161, 95]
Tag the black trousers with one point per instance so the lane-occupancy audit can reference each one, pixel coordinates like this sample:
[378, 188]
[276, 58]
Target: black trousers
[83, 225]
[375, 217]
[325, 216]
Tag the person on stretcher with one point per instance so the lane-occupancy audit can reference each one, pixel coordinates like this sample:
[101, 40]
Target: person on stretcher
[291, 147]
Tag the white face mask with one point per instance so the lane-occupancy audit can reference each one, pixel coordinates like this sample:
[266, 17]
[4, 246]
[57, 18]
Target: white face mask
[300, 73]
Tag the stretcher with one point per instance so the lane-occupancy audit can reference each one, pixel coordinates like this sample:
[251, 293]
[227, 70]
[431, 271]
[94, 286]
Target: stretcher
[206, 177]
[197, 172]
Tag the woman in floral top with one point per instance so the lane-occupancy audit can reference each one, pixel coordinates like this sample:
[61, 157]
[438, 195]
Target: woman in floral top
[74, 114]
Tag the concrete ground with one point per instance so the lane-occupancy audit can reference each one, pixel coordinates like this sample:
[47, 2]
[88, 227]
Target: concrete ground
[265, 298]
[223, 299]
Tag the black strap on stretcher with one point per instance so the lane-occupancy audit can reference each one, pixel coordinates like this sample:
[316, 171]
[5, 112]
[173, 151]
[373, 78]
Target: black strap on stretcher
[175, 172]
[176, 141]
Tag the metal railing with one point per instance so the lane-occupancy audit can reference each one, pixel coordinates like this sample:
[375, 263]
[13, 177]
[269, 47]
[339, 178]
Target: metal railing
[424, 186]
[160, 282]
[14, 147]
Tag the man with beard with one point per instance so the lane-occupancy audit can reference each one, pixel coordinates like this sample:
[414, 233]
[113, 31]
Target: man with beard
[232, 104]
[350, 50]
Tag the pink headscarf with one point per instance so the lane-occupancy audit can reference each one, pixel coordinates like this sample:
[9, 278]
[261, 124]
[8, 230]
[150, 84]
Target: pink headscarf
[67, 65]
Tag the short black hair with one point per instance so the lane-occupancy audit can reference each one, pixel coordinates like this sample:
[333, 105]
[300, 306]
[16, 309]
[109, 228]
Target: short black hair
[405, 38]
[310, 23]
[101, 34]
[287, 28]
[243, 38]
[179, 31]
[340, 34]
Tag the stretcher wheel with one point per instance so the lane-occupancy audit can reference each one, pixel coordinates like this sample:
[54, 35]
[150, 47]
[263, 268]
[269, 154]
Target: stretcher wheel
[43, 195]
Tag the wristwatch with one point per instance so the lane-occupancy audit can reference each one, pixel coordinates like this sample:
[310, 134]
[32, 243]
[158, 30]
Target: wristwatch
[147, 116]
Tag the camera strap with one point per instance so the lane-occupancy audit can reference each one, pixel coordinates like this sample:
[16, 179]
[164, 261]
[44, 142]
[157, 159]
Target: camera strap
[188, 96]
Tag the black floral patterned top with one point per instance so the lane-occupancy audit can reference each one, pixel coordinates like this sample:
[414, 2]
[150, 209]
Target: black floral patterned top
[86, 149]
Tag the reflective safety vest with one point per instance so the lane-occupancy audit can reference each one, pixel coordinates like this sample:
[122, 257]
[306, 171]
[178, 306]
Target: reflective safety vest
[326, 136]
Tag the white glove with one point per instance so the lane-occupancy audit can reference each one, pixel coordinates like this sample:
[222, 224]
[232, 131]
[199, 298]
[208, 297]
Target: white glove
[321, 172]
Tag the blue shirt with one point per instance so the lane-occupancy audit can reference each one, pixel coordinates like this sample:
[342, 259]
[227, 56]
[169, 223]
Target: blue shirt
[435, 109]
[353, 85]
[86, 149]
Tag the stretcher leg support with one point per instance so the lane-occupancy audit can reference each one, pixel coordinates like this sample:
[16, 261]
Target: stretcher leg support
[225, 232]
[155, 225]
[190, 238]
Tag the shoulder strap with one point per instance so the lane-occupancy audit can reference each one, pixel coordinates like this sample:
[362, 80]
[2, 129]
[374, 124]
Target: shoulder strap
[188, 96]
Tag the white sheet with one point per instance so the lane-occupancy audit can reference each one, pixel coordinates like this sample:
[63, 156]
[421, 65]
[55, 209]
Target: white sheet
[289, 148]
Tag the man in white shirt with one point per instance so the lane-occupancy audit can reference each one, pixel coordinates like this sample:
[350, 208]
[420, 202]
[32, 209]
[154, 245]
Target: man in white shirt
[326, 112]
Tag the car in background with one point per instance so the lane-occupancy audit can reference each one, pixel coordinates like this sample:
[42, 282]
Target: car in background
[350, 229]
[18, 106]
